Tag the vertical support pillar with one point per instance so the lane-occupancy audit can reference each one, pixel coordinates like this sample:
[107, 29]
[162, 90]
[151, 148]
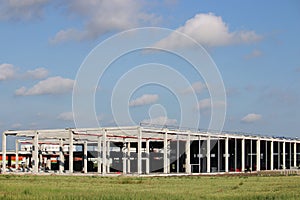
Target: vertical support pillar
[104, 156]
[272, 156]
[266, 153]
[226, 154]
[219, 155]
[177, 154]
[251, 155]
[295, 154]
[35, 153]
[17, 155]
[61, 156]
[283, 156]
[139, 156]
[108, 157]
[3, 153]
[243, 155]
[71, 147]
[166, 152]
[258, 154]
[188, 154]
[290, 155]
[148, 157]
[279, 152]
[199, 153]
[208, 154]
[235, 154]
[85, 157]
[124, 159]
[99, 160]
[128, 157]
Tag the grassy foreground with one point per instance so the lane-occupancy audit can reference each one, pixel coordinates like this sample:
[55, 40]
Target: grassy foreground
[94, 187]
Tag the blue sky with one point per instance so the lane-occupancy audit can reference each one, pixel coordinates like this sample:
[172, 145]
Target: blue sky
[255, 45]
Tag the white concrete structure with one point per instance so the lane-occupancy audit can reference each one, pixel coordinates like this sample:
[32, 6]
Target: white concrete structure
[145, 150]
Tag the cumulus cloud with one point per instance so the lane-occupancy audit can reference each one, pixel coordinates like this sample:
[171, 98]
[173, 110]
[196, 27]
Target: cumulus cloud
[209, 30]
[162, 120]
[146, 99]
[38, 73]
[196, 87]
[207, 104]
[251, 118]
[66, 116]
[254, 54]
[21, 10]
[52, 85]
[101, 17]
[7, 71]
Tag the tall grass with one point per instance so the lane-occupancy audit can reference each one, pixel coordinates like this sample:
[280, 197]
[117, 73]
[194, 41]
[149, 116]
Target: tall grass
[94, 187]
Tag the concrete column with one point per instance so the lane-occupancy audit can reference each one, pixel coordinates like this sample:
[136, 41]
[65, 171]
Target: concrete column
[128, 157]
[48, 164]
[295, 154]
[266, 153]
[235, 154]
[208, 154]
[243, 155]
[251, 155]
[71, 147]
[166, 152]
[3, 153]
[99, 159]
[104, 155]
[279, 152]
[139, 152]
[290, 155]
[61, 157]
[283, 156]
[272, 155]
[148, 156]
[258, 155]
[219, 155]
[188, 154]
[199, 157]
[124, 159]
[85, 152]
[108, 157]
[177, 154]
[35, 153]
[226, 154]
[17, 154]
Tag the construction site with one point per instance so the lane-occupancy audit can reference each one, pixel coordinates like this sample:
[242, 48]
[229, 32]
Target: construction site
[145, 150]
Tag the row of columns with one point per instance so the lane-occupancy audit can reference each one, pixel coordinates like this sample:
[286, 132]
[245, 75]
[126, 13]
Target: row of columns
[104, 145]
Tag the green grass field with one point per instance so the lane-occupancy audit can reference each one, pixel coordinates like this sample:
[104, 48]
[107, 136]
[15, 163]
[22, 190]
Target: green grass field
[194, 187]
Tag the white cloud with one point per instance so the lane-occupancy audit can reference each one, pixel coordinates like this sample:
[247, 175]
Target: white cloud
[196, 87]
[250, 118]
[66, 116]
[21, 10]
[38, 73]
[7, 71]
[146, 99]
[52, 85]
[209, 30]
[207, 104]
[254, 54]
[101, 17]
[162, 120]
